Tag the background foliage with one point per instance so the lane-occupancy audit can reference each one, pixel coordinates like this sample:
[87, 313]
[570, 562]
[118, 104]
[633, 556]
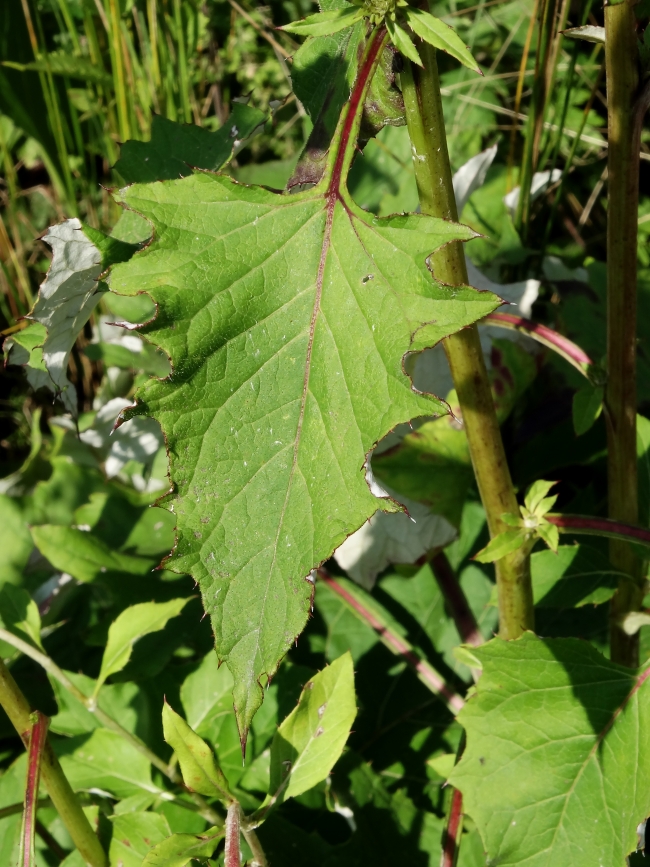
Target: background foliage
[80, 543]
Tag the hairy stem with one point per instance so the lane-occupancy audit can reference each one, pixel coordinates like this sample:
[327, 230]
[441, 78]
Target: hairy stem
[90, 703]
[620, 396]
[421, 90]
[60, 791]
[37, 740]
[232, 854]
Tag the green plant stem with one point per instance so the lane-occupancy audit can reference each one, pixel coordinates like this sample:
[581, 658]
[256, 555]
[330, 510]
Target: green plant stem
[621, 62]
[60, 791]
[208, 812]
[117, 64]
[535, 125]
[259, 858]
[424, 117]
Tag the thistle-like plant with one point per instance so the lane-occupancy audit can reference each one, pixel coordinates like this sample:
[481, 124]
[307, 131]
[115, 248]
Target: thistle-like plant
[395, 16]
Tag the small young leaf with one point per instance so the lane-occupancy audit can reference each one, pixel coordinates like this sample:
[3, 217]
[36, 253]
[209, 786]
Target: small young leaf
[179, 849]
[560, 734]
[402, 41]
[325, 23]
[440, 35]
[587, 407]
[310, 740]
[501, 545]
[536, 493]
[131, 625]
[199, 767]
[20, 614]
[550, 534]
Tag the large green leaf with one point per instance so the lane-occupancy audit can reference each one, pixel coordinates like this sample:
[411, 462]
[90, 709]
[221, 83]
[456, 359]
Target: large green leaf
[134, 834]
[311, 739]
[179, 849]
[577, 575]
[83, 555]
[287, 319]
[105, 761]
[558, 754]
[176, 149]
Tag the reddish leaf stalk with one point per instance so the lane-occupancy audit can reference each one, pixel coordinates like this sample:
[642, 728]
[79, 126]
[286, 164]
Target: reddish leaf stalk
[453, 831]
[600, 527]
[426, 673]
[569, 350]
[456, 600]
[36, 738]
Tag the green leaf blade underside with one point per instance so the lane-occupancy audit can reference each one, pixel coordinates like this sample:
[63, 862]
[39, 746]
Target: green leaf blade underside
[199, 767]
[561, 734]
[286, 321]
[310, 740]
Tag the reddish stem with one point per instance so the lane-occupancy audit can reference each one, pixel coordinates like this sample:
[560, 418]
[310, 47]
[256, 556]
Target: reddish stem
[232, 855]
[358, 94]
[36, 738]
[459, 606]
[425, 672]
[600, 527]
[451, 838]
[569, 350]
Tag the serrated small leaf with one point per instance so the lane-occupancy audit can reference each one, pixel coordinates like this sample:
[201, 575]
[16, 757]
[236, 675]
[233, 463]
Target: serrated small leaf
[536, 493]
[402, 41]
[558, 740]
[25, 348]
[20, 614]
[199, 767]
[550, 534]
[131, 625]
[179, 849]
[175, 149]
[587, 407]
[440, 35]
[310, 740]
[504, 543]
[325, 23]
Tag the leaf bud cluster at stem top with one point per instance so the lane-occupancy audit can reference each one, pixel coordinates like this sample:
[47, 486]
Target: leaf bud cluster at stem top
[377, 10]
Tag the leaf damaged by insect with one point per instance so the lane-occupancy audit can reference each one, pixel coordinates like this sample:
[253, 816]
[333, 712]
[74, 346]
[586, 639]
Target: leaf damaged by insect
[286, 371]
